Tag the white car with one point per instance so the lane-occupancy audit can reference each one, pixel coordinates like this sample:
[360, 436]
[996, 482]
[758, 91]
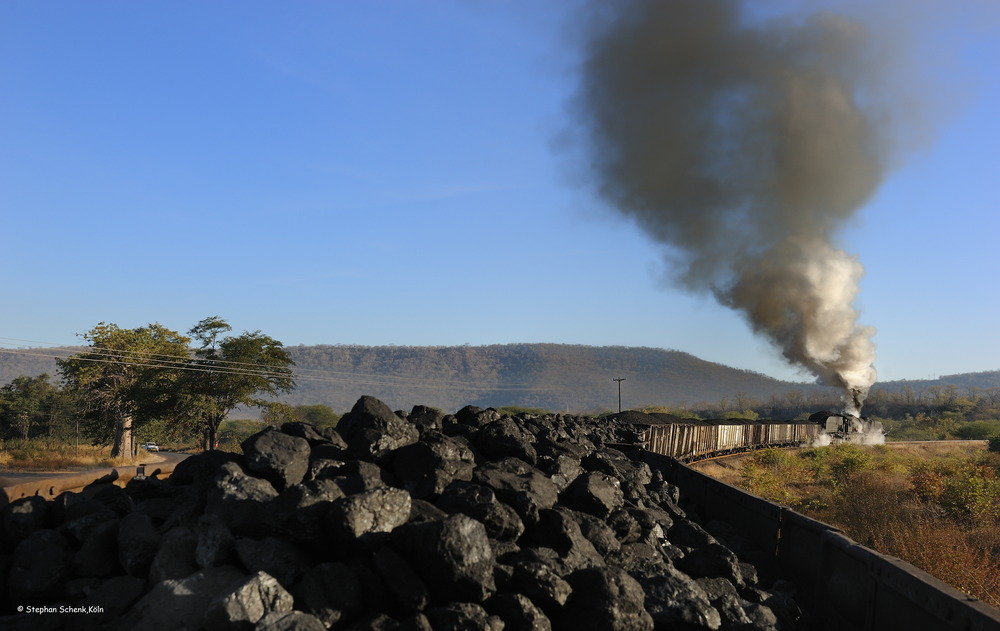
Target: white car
[151, 447]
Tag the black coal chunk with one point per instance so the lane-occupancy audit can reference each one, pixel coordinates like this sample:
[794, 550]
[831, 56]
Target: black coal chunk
[594, 492]
[243, 603]
[40, 568]
[452, 555]
[606, 598]
[393, 521]
[519, 485]
[372, 429]
[277, 457]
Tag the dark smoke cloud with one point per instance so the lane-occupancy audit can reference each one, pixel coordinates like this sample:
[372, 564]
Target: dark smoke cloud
[743, 145]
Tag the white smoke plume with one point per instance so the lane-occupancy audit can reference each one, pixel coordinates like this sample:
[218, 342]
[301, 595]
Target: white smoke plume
[743, 145]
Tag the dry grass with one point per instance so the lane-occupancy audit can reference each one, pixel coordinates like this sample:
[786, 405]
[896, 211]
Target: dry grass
[868, 505]
[879, 510]
[872, 495]
[935, 449]
[37, 456]
[949, 552]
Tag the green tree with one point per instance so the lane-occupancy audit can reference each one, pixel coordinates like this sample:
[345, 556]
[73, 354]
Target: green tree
[318, 415]
[232, 432]
[978, 430]
[276, 414]
[58, 412]
[25, 404]
[126, 377]
[227, 372]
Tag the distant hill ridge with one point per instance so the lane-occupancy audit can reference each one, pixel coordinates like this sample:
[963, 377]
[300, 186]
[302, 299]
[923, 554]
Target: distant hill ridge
[557, 377]
[551, 376]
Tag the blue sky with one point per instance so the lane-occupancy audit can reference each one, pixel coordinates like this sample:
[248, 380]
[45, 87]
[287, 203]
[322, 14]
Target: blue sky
[397, 173]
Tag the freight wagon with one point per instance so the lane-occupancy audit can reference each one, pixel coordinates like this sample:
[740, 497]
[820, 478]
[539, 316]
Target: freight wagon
[844, 585]
[693, 439]
[689, 439]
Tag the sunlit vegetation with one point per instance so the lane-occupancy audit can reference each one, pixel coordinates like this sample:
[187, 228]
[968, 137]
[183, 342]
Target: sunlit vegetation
[40, 455]
[146, 383]
[942, 514]
[232, 432]
[924, 426]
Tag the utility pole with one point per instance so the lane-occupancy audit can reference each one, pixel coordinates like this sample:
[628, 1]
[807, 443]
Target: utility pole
[619, 380]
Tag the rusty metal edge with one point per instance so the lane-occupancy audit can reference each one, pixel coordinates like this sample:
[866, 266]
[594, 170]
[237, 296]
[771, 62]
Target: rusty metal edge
[50, 488]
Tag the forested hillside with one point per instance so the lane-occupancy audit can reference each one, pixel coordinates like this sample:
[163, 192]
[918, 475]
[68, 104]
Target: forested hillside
[551, 376]
[965, 381]
[31, 362]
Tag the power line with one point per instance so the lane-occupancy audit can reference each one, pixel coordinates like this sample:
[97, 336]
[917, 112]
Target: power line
[222, 364]
[124, 353]
[132, 358]
[353, 378]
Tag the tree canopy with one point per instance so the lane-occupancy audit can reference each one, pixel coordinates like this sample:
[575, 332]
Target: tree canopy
[133, 378]
[231, 371]
[127, 376]
[27, 403]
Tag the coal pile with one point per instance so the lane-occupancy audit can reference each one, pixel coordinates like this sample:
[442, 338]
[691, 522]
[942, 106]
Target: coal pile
[418, 521]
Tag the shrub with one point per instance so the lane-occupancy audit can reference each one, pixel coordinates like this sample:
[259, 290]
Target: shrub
[765, 482]
[848, 460]
[995, 444]
[973, 493]
[941, 514]
[904, 432]
[945, 550]
[978, 430]
[319, 415]
[867, 504]
[749, 415]
[232, 432]
[928, 485]
[772, 458]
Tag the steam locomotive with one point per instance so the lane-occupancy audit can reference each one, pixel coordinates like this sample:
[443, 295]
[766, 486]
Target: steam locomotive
[849, 428]
[690, 439]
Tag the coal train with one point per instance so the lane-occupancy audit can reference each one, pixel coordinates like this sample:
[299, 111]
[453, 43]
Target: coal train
[690, 439]
[843, 585]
